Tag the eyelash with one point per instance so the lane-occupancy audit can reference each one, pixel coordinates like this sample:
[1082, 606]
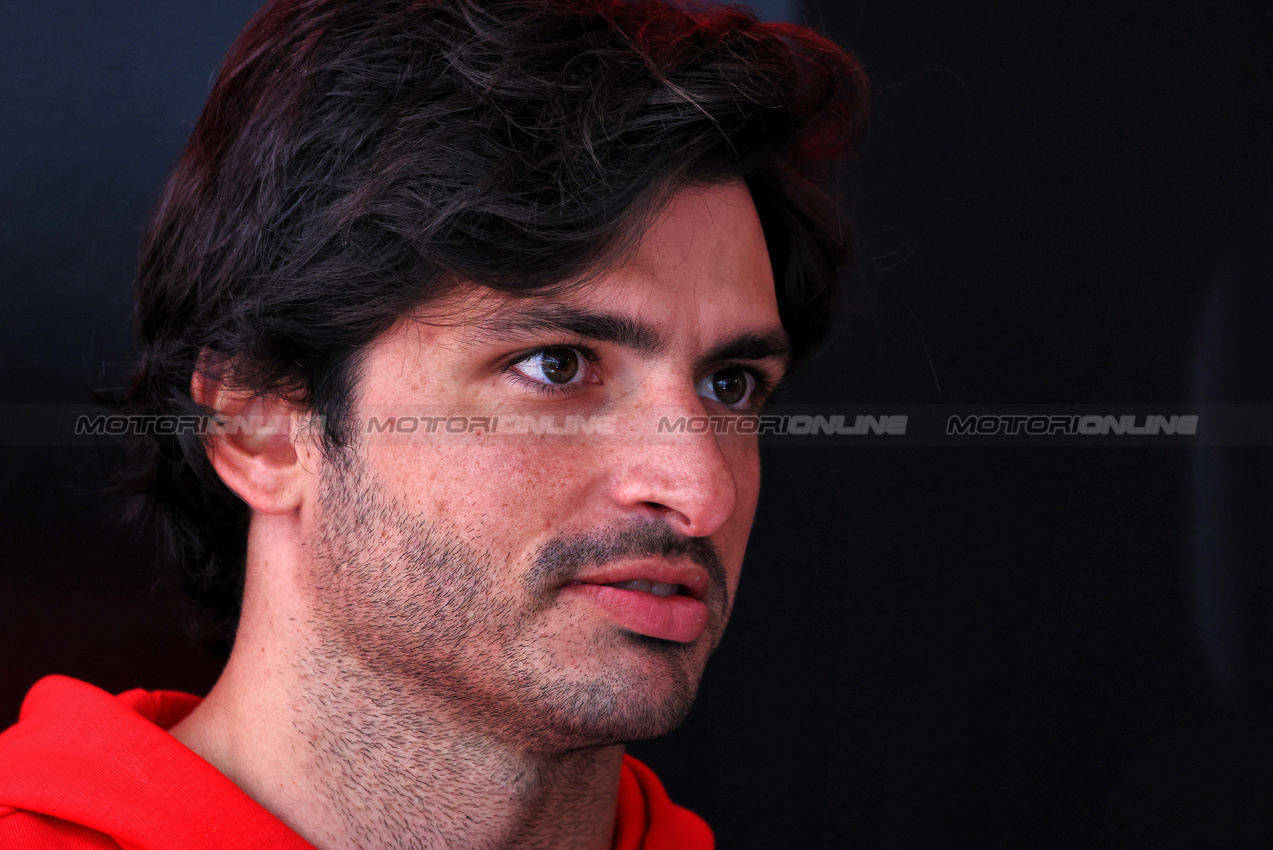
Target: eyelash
[589, 354]
[763, 387]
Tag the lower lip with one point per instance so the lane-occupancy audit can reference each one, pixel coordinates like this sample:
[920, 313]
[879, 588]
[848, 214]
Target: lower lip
[676, 618]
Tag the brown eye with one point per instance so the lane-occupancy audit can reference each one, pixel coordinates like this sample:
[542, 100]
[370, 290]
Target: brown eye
[731, 387]
[556, 365]
[559, 365]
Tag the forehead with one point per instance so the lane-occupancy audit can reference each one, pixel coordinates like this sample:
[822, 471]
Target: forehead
[702, 265]
[705, 234]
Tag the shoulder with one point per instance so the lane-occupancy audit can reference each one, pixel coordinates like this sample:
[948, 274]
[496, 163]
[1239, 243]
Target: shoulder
[32, 831]
[61, 763]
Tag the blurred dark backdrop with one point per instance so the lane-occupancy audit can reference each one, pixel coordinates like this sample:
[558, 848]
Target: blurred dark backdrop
[997, 647]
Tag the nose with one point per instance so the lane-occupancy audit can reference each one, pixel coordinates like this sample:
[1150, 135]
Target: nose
[683, 477]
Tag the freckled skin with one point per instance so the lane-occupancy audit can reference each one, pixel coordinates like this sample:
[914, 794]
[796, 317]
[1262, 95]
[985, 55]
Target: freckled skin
[437, 689]
[496, 504]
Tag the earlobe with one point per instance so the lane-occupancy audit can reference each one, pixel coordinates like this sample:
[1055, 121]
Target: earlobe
[252, 445]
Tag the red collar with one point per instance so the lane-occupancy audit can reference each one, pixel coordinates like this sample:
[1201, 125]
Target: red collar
[81, 755]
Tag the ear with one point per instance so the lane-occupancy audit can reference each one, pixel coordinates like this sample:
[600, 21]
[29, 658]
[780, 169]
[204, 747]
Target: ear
[258, 445]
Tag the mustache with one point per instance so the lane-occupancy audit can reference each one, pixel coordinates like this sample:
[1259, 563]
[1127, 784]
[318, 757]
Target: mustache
[561, 559]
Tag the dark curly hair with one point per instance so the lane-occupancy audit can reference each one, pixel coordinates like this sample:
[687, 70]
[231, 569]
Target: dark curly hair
[356, 159]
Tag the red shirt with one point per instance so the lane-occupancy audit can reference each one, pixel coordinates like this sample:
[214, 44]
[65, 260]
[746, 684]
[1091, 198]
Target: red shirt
[83, 770]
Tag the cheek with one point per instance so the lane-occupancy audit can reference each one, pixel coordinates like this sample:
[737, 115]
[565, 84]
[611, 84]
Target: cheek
[744, 459]
[743, 455]
[747, 479]
[507, 494]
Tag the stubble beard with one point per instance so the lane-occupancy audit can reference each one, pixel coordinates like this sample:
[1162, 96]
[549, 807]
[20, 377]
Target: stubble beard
[410, 615]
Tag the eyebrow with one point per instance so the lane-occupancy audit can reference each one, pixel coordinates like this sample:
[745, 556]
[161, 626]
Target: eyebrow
[601, 327]
[767, 345]
[629, 332]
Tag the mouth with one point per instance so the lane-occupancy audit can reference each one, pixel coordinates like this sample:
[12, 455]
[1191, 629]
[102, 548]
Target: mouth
[657, 577]
[658, 588]
[657, 599]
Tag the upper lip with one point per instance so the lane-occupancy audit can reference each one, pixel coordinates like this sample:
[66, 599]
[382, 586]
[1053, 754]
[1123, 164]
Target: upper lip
[688, 575]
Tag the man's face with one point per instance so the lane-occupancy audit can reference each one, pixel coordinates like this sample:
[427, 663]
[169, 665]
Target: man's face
[481, 571]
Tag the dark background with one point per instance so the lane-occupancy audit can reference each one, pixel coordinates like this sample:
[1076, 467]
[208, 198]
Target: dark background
[933, 646]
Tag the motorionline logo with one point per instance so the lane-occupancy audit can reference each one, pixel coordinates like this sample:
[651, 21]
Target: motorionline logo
[794, 425]
[1070, 425]
[172, 425]
[139, 425]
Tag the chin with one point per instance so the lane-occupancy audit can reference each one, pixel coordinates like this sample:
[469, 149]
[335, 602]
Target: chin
[605, 723]
[613, 710]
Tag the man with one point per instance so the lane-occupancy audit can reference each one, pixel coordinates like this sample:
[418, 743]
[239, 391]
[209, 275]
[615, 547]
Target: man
[454, 211]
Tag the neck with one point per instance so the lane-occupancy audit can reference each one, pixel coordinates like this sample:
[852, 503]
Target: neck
[348, 758]
[348, 762]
